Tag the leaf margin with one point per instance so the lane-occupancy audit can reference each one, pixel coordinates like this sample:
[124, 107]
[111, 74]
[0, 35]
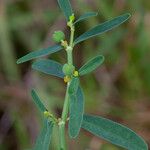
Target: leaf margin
[39, 53]
[145, 146]
[86, 16]
[40, 65]
[72, 113]
[66, 8]
[86, 70]
[85, 35]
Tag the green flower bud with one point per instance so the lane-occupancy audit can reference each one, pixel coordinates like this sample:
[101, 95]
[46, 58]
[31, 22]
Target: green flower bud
[72, 18]
[68, 69]
[58, 36]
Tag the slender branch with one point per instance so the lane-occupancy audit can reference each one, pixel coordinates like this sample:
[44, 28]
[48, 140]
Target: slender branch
[72, 36]
[69, 55]
[65, 111]
[62, 136]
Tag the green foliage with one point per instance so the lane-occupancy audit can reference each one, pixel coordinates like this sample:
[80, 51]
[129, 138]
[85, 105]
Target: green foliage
[76, 112]
[113, 132]
[43, 140]
[39, 53]
[102, 28]
[38, 101]
[58, 36]
[91, 65]
[74, 99]
[66, 8]
[49, 67]
[74, 84]
[86, 16]
[76, 107]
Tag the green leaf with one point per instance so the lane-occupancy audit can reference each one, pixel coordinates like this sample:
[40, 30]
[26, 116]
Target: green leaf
[104, 27]
[86, 16]
[49, 67]
[76, 113]
[66, 8]
[91, 65]
[113, 132]
[74, 85]
[39, 53]
[43, 140]
[38, 101]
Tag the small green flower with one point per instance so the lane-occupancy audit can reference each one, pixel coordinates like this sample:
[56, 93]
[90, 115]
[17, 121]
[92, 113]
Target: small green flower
[58, 36]
[72, 18]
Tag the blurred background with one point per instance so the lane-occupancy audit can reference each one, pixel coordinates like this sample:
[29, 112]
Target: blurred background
[119, 90]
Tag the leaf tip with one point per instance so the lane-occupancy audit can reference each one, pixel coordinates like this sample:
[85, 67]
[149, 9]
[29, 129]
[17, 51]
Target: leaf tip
[101, 58]
[32, 91]
[33, 65]
[72, 135]
[18, 62]
[128, 15]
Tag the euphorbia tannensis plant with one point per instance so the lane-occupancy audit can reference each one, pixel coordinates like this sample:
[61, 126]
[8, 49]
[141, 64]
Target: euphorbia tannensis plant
[73, 109]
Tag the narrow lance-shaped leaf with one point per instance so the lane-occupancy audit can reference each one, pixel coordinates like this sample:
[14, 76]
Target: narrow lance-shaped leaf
[76, 113]
[104, 27]
[66, 8]
[39, 53]
[43, 140]
[49, 67]
[91, 65]
[86, 16]
[113, 132]
[38, 101]
[74, 85]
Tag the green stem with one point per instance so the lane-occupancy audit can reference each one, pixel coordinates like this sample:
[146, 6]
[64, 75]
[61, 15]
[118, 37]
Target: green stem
[69, 55]
[66, 103]
[63, 121]
[62, 137]
[72, 36]
[70, 48]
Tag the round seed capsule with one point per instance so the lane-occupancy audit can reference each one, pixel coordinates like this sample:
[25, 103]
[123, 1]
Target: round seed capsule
[58, 36]
[68, 69]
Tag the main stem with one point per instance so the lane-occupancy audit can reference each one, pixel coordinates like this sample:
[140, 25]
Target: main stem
[64, 116]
